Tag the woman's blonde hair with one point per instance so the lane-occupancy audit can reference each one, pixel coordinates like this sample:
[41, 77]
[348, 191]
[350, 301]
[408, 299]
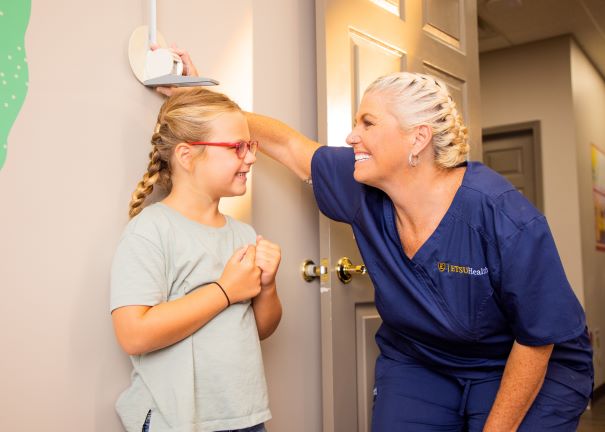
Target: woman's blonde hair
[419, 99]
[184, 117]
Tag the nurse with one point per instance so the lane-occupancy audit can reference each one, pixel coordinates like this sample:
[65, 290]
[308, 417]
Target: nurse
[481, 329]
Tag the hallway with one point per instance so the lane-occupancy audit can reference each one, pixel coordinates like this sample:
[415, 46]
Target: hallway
[594, 419]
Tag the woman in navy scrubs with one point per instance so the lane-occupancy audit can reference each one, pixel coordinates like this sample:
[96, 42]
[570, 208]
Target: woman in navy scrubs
[481, 330]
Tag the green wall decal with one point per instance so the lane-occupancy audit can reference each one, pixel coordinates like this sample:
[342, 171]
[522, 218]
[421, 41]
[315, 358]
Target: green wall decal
[14, 75]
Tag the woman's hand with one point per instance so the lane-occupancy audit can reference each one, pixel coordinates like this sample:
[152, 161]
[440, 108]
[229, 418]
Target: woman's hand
[268, 257]
[241, 278]
[189, 68]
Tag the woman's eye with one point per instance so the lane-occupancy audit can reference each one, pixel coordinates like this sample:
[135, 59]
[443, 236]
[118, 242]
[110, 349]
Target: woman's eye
[367, 123]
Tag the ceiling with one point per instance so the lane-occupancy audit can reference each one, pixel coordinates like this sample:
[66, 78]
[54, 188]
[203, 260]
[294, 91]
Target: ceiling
[504, 23]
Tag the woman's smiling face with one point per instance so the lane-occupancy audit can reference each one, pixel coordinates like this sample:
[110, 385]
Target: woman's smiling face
[380, 144]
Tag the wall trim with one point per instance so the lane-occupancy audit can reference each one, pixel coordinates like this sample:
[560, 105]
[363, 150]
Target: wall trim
[535, 127]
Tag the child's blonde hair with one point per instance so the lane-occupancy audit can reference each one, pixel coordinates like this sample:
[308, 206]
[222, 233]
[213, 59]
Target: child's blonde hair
[423, 99]
[184, 117]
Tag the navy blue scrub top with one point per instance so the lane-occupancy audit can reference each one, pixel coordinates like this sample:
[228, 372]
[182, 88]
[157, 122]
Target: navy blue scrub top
[490, 274]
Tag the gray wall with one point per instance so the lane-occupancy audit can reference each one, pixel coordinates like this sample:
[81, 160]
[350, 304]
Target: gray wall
[75, 153]
[553, 82]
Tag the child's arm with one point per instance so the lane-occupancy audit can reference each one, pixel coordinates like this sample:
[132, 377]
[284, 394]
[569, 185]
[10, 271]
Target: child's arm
[142, 329]
[266, 305]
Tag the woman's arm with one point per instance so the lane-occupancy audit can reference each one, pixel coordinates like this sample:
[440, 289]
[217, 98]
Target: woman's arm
[142, 329]
[276, 139]
[282, 143]
[523, 378]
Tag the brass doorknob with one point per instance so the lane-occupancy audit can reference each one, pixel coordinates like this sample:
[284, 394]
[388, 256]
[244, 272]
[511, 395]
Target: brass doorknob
[345, 270]
[310, 270]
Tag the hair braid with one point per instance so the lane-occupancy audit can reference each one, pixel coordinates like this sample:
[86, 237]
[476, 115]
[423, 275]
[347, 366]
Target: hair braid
[145, 186]
[455, 152]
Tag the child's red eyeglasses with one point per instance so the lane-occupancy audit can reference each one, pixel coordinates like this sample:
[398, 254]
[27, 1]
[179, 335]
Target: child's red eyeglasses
[241, 147]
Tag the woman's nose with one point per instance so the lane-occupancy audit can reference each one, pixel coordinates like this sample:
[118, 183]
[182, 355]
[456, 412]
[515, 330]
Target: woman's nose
[353, 138]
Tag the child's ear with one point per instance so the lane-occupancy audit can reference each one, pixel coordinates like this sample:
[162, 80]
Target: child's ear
[184, 155]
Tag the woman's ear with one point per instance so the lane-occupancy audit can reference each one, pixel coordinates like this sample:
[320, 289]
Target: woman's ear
[424, 135]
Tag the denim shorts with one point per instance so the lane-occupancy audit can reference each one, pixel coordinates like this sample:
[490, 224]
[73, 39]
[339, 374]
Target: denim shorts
[147, 421]
[257, 428]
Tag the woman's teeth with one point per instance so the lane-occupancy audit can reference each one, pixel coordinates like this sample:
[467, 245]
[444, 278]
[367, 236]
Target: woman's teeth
[360, 157]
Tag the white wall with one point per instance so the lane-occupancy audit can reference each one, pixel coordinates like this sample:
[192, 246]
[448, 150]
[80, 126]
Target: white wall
[76, 151]
[533, 82]
[589, 114]
[284, 210]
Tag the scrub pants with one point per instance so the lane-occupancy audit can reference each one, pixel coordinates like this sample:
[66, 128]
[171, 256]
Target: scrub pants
[409, 397]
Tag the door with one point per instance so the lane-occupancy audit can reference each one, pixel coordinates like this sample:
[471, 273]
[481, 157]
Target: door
[357, 41]
[514, 152]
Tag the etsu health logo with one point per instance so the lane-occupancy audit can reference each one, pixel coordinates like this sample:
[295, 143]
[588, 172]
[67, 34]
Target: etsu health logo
[463, 270]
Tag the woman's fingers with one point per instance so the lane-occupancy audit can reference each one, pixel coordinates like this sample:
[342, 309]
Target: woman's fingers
[189, 68]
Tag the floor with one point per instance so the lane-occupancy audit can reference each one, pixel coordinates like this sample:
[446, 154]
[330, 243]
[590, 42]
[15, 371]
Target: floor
[593, 420]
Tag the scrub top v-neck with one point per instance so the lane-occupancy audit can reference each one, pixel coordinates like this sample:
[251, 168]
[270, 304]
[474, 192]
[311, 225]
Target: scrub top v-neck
[488, 275]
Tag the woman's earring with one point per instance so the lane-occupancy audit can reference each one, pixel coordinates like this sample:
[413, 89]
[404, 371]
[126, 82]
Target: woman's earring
[413, 160]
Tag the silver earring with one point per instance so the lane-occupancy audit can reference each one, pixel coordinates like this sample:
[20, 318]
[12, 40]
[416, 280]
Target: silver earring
[413, 160]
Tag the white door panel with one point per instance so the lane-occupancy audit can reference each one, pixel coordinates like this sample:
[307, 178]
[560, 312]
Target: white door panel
[358, 41]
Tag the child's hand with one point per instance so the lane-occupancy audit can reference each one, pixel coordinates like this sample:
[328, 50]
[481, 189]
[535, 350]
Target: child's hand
[241, 278]
[268, 257]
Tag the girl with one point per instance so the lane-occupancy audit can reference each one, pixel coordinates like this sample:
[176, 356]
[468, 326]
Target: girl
[191, 293]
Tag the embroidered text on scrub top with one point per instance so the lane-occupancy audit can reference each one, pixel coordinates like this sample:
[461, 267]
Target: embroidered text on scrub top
[466, 270]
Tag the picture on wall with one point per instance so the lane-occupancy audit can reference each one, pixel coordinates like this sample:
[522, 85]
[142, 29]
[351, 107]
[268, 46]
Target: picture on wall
[598, 191]
[14, 74]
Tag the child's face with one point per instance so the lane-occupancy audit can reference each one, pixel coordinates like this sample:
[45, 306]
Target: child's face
[219, 169]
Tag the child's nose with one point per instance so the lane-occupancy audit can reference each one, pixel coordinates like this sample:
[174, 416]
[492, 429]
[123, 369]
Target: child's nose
[250, 158]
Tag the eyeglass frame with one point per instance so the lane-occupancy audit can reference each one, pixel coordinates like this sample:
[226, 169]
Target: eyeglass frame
[236, 145]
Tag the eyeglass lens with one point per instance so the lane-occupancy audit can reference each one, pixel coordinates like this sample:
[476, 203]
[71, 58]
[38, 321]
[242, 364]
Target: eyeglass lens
[245, 146]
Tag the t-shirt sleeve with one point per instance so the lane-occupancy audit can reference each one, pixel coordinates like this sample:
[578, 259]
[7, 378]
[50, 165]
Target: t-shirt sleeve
[337, 193]
[251, 235]
[535, 293]
[138, 273]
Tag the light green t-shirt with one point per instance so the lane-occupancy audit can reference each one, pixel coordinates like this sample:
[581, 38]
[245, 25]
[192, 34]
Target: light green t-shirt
[214, 379]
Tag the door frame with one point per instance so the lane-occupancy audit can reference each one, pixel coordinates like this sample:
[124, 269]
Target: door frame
[511, 129]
